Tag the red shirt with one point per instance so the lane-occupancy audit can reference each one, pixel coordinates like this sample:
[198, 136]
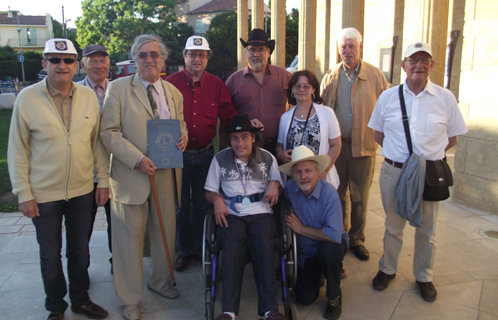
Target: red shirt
[203, 102]
[265, 101]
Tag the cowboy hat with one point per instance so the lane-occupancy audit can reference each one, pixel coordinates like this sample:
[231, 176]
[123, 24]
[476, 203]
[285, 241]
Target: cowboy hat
[303, 153]
[240, 123]
[258, 37]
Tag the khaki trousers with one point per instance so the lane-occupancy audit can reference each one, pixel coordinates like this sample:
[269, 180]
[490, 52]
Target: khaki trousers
[425, 237]
[355, 177]
[128, 228]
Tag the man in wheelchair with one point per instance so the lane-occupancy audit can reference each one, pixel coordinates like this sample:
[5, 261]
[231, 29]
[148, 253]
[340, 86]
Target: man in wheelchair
[317, 221]
[243, 184]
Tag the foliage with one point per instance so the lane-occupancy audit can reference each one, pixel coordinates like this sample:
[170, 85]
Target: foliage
[57, 29]
[7, 53]
[7, 204]
[12, 68]
[291, 36]
[222, 38]
[115, 24]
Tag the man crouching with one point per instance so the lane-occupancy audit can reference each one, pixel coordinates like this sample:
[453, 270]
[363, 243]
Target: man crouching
[243, 184]
[317, 221]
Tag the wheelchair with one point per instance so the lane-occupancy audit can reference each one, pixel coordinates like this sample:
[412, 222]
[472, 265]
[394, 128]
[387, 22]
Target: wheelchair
[286, 268]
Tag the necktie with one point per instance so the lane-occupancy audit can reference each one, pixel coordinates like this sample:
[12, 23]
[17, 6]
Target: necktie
[152, 102]
[99, 90]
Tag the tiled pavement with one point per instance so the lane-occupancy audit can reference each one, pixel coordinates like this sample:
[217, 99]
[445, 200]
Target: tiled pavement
[465, 274]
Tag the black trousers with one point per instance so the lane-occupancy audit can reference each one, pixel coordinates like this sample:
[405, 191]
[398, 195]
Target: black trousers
[328, 262]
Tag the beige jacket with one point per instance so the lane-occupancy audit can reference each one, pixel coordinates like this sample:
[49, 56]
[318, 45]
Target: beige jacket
[367, 88]
[123, 131]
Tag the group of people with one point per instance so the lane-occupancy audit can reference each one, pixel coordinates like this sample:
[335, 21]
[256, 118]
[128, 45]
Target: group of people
[73, 147]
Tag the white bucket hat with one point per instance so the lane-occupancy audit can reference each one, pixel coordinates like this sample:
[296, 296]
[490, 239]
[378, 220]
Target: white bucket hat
[303, 153]
[197, 43]
[59, 46]
[417, 47]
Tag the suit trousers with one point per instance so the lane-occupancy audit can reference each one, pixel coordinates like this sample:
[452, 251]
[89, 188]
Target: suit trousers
[128, 228]
[425, 236]
[355, 176]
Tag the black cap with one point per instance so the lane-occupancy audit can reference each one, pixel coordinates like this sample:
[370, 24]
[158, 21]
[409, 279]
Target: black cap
[258, 37]
[240, 123]
[94, 48]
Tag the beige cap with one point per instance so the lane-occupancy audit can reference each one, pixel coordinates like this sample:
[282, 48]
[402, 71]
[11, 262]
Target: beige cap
[197, 43]
[417, 47]
[59, 46]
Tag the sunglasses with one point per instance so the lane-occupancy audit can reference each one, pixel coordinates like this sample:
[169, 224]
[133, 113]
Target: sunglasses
[58, 60]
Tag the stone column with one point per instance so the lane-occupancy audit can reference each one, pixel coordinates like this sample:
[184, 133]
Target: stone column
[307, 36]
[434, 31]
[353, 15]
[278, 23]
[242, 32]
[258, 14]
[323, 38]
[399, 25]
[335, 26]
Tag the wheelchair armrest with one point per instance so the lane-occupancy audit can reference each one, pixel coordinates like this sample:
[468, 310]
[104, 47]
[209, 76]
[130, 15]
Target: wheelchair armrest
[285, 206]
[209, 210]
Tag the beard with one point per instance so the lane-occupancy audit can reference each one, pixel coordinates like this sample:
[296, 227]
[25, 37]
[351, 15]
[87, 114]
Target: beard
[304, 185]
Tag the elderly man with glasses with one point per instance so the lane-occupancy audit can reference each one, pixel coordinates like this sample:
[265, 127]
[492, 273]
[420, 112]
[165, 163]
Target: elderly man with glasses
[53, 149]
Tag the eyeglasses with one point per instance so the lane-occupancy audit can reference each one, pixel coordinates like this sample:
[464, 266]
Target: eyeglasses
[298, 87]
[425, 61]
[58, 60]
[152, 55]
[253, 51]
[201, 56]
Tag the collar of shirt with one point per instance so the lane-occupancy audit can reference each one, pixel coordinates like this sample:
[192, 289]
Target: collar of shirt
[351, 77]
[429, 87]
[93, 84]
[315, 193]
[247, 70]
[190, 82]
[53, 92]
[157, 84]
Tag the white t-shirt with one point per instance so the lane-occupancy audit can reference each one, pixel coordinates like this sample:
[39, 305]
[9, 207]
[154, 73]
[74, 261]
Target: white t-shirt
[433, 116]
[229, 179]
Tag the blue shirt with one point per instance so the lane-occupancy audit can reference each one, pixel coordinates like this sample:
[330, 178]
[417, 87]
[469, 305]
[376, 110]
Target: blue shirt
[320, 210]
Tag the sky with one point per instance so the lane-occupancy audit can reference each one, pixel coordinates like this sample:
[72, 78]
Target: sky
[72, 8]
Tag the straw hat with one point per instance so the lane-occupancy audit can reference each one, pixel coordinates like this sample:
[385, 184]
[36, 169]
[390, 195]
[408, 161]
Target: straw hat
[303, 153]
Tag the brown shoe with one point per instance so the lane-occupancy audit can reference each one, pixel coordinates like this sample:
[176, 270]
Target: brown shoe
[91, 310]
[361, 252]
[55, 316]
[275, 315]
[224, 316]
[381, 280]
[181, 262]
[427, 290]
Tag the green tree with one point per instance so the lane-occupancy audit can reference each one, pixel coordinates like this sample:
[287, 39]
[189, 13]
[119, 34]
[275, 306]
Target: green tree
[115, 24]
[222, 38]
[291, 35]
[57, 28]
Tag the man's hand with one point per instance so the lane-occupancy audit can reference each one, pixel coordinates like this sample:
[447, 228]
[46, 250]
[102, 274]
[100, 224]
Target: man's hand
[146, 166]
[220, 212]
[182, 143]
[257, 124]
[271, 194]
[293, 222]
[29, 208]
[101, 196]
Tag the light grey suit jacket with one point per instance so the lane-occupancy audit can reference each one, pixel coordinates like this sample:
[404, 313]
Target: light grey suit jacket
[123, 130]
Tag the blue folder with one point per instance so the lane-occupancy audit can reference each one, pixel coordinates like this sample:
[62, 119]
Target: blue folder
[162, 137]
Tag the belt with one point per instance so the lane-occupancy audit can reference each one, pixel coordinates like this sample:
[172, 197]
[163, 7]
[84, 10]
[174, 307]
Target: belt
[394, 163]
[346, 139]
[195, 151]
[238, 199]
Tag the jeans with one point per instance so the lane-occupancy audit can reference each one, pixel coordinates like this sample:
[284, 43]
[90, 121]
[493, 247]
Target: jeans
[327, 262]
[77, 216]
[189, 223]
[107, 207]
[256, 233]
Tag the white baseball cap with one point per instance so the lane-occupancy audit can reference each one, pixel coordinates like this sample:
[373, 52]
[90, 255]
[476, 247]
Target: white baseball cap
[417, 47]
[59, 46]
[197, 43]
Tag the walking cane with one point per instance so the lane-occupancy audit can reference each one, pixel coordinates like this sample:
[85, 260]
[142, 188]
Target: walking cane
[158, 209]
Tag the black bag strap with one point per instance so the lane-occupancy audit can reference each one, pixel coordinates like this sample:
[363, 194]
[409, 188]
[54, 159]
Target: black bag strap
[404, 117]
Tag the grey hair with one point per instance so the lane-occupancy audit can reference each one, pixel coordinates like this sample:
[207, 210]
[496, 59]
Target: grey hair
[85, 60]
[208, 52]
[143, 39]
[349, 33]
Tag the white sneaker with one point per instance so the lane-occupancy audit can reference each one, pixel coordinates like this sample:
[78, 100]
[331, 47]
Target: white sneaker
[131, 312]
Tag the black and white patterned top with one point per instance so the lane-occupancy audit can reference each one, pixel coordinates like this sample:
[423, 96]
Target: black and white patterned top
[311, 133]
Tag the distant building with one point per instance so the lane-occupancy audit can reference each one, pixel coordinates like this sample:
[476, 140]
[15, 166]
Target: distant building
[199, 13]
[35, 31]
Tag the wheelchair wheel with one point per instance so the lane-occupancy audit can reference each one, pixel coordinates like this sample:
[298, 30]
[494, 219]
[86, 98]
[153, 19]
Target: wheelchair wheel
[210, 262]
[291, 311]
[290, 252]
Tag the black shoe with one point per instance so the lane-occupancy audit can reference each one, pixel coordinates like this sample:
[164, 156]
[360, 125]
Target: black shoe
[361, 252]
[181, 262]
[427, 290]
[381, 280]
[334, 309]
[55, 316]
[91, 310]
[275, 315]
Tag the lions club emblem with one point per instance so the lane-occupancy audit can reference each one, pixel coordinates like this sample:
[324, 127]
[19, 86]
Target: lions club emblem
[198, 41]
[164, 141]
[61, 45]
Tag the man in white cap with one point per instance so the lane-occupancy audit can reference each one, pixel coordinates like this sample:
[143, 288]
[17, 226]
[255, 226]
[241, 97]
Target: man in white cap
[95, 62]
[435, 121]
[205, 98]
[53, 149]
[322, 242]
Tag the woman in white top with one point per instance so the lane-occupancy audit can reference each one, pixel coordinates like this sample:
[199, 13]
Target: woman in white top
[309, 123]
